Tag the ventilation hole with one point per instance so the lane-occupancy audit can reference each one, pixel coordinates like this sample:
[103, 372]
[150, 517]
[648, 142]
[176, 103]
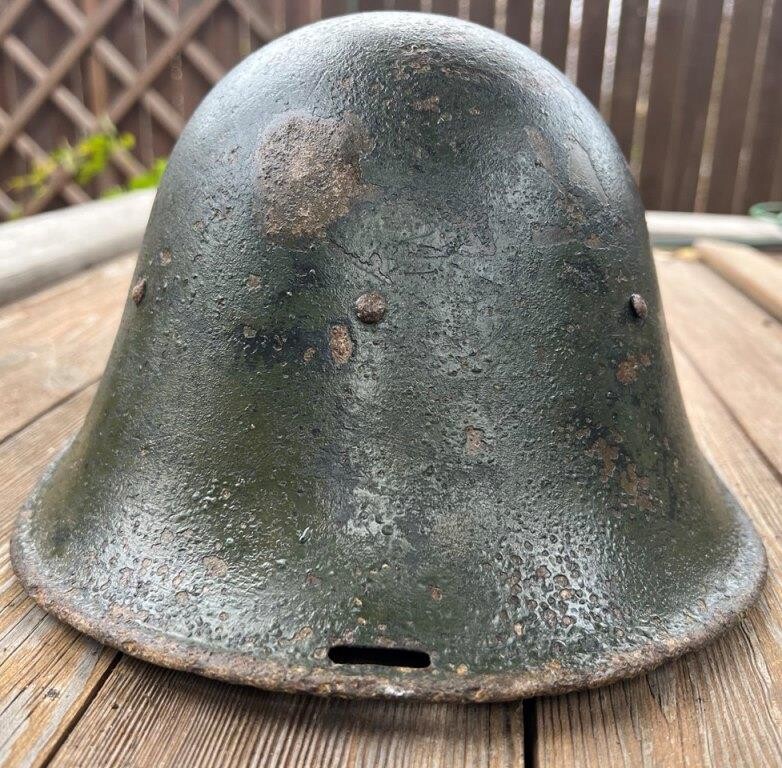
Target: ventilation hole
[387, 657]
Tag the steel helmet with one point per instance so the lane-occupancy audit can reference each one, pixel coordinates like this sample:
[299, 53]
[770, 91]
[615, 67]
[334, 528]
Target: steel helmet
[391, 410]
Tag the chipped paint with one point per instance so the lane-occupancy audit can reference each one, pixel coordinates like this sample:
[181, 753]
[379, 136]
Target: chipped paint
[340, 344]
[310, 174]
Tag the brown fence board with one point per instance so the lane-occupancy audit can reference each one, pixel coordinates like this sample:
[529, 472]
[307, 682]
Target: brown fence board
[482, 12]
[518, 19]
[662, 94]
[299, 13]
[734, 99]
[330, 8]
[627, 71]
[591, 48]
[697, 69]
[370, 5]
[448, 7]
[556, 26]
[765, 143]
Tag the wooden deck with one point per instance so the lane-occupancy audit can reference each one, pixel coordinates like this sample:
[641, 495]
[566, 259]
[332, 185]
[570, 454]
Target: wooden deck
[65, 700]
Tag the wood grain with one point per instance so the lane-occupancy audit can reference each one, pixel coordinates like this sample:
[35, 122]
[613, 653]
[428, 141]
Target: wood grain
[757, 276]
[56, 342]
[518, 17]
[556, 26]
[683, 160]
[627, 72]
[733, 343]
[149, 716]
[591, 49]
[721, 706]
[764, 144]
[48, 671]
[734, 100]
[662, 97]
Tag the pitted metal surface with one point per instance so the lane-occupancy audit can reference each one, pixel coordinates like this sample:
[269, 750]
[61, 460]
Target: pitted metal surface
[491, 468]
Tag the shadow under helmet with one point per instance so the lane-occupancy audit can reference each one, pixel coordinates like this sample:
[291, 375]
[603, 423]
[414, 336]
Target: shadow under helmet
[391, 411]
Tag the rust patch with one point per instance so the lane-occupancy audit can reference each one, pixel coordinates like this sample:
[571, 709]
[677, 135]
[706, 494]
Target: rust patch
[609, 453]
[249, 332]
[636, 487]
[215, 566]
[430, 104]
[139, 291]
[436, 593]
[310, 174]
[253, 282]
[473, 440]
[309, 354]
[340, 344]
[165, 257]
[627, 370]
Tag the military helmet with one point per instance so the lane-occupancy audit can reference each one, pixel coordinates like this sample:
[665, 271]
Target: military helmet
[391, 411]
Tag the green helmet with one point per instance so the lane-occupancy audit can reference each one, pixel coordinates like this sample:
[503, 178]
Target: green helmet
[391, 411]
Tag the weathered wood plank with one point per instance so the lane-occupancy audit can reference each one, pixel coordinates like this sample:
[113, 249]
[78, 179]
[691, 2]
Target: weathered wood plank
[757, 276]
[518, 18]
[721, 706]
[733, 343]
[48, 671]
[591, 49]
[41, 250]
[734, 100]
[662, 97]
[482, 12]
[765, 145]
[55, 343]
[556, 27]
[148, 716]
[689, 121]
[627, 72]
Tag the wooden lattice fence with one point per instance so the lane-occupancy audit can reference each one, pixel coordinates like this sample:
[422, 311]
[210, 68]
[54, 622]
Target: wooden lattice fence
[691, 88]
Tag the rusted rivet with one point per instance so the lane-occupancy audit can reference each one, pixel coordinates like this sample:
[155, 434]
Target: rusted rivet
[139, 289]
[638, 306]
[371, 307]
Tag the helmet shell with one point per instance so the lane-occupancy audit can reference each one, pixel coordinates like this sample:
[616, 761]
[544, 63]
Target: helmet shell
[392, 386]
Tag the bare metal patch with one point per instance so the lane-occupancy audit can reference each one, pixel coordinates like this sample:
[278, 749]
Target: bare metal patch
[310, 174]
[215, 566]
[473, 440]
